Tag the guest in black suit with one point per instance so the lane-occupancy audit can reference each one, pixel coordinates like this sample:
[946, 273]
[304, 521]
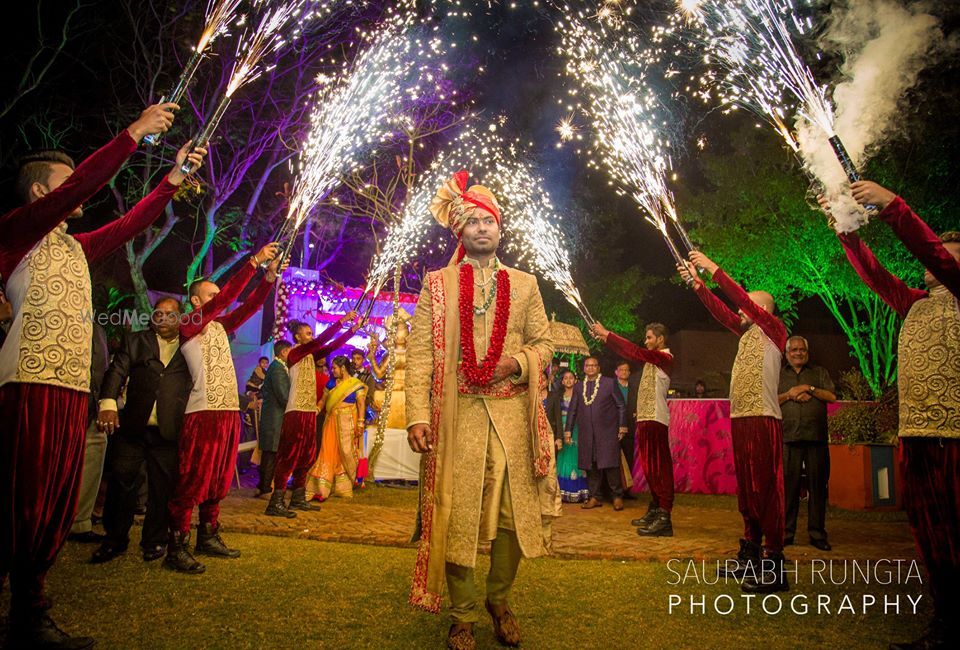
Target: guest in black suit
[629, 384]
[146, 432]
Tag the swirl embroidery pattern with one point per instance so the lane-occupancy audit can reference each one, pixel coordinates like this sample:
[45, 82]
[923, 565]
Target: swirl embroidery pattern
[929, 373]
[305, 392]
[746, 380]
[221, 379]
[55, 343]
[647, 393]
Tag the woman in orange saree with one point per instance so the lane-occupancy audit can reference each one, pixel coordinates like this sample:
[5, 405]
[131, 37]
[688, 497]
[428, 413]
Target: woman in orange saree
[341, 443]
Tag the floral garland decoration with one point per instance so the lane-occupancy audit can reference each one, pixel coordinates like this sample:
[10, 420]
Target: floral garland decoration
[596, 389]
[480, 375]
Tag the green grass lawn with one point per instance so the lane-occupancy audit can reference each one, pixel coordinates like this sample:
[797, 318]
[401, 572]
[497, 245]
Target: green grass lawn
[292, 593]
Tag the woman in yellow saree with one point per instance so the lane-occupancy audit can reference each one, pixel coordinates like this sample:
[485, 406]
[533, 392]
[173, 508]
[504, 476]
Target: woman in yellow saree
[341, 443]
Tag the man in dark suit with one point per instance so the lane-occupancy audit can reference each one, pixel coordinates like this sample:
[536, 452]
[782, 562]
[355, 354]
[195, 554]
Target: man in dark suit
[600, 412]
[274, 392]
[146, 431]
[629, 384]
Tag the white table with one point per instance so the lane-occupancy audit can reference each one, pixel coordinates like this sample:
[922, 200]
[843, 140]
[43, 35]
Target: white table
[396, 459]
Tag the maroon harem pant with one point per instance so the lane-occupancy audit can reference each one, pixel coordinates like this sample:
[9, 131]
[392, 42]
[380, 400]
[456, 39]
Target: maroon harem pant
[758, 461]
[41, 457]
[297, 449]
[207, 457]
[652, 445]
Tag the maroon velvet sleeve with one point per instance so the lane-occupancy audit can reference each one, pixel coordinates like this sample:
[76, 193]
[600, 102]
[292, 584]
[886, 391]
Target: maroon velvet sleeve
[334, 344]
[634, 352]
[920, 240]
[891, 289]
[103, 241]
[232, 321]
[21, 229]
[724, 315]
[313, 347]
[772, 326]
[228, 294]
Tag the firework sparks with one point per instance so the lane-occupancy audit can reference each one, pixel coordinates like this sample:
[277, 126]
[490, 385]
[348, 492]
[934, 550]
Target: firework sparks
[219, 15]
[624, 111]
[265, 37]
[752, 42]
[476, 149]
[357, 112]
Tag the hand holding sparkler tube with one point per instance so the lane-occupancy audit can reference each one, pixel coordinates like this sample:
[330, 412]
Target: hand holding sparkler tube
[275, 268]
[265, 254]
[871, 195]
[187, 154]
[688, 272]
[703, 262]
[599, 331]
[156, 118]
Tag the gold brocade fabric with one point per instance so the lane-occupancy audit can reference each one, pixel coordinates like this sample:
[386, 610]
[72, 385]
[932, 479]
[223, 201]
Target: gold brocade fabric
[929, 372]
[221, 379]
[647, 393]
[305, 390]
[57, 334]
[746, 381]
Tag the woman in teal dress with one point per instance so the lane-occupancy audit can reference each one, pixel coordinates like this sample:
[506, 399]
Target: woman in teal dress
[572, 480]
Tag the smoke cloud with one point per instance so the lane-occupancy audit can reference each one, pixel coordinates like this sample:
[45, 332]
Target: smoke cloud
[884, 46]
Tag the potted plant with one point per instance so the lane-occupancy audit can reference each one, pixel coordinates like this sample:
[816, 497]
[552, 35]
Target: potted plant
[864, 472]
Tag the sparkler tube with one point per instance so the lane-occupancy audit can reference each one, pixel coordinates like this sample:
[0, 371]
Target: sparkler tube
[179, 89]
[204, 137]
[683, 235]
[678, 258]
[841, 152]
[852, 174]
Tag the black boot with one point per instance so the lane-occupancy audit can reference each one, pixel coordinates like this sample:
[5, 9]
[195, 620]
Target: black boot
[937, 635]
[276, 507]
[645, 520]
[35, 629]
[736, 568]
[178, 554]
[661, 526]
[768, 578]
[209, 542]
[299, 501]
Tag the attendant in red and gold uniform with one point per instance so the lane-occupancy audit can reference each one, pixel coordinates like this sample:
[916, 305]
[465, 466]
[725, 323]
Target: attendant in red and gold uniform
[211, 427]
[298, 435]
[45, 359]
[653, 420]
[929, 387]
[756, 425]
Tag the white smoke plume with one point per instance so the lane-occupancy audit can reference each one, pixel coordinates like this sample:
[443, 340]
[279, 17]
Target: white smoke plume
[884, 46]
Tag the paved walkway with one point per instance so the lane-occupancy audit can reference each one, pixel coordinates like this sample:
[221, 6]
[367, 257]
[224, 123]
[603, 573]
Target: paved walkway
[704, 528]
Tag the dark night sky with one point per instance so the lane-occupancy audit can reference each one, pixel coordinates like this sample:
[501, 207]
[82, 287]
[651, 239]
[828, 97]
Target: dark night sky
[522, 81]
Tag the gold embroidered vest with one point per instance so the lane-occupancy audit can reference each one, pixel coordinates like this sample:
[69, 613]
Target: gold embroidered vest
[55, 317]
[303, 386]
[647, 393]
[756, 372]
[929, 371]
[220, 378]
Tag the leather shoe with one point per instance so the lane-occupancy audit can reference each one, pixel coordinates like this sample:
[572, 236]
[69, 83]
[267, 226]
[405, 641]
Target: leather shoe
[38, 630]
[108, 550]
[618, 504]
[591, 503]
[153, 552]
[821, 544]
[88, 537]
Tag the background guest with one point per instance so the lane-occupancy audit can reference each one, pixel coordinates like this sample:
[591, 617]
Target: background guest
[700, 389]
[629, 386]
[274, 392]
[145, 433]
[598, 409]
[572, 479]
[804, 392]
[255, 382]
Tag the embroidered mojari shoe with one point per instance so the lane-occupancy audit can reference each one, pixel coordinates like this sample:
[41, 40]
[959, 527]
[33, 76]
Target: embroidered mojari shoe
[460, 637]
[591, 503]
[505, 626]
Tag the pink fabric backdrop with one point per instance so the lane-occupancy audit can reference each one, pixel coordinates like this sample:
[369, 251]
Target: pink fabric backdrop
[701, 447]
